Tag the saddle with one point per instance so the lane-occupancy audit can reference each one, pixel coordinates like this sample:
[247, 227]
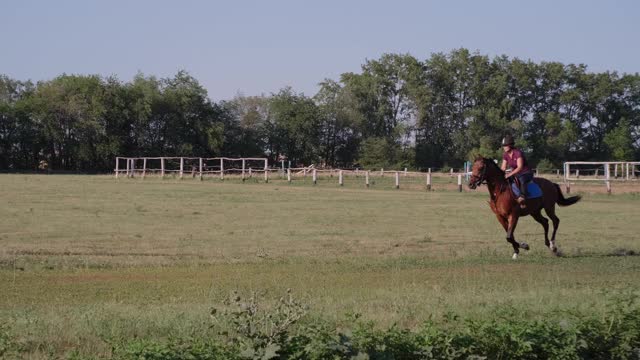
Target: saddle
[533, 190]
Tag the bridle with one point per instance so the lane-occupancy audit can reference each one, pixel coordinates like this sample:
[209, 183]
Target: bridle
[482, 178]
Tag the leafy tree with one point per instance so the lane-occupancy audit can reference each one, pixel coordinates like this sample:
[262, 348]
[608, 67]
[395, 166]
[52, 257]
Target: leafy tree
[620, 142]
[293, 129]
[397, 111]
[69, 108]
[245, 133]
[20, 142]
[339, 131]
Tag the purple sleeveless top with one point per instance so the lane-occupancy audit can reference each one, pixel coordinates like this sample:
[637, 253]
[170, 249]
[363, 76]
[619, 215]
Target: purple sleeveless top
[512, 162]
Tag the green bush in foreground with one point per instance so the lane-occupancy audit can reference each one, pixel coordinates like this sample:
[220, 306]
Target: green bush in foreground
[247, 330]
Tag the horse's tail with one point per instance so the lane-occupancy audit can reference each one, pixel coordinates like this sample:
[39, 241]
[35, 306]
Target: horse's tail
[562, 201]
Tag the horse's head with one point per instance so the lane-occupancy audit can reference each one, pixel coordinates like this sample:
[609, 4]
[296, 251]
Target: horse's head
[478, 172]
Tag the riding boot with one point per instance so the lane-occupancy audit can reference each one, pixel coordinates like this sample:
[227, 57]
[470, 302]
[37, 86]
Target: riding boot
[521, 200]
[523, 195]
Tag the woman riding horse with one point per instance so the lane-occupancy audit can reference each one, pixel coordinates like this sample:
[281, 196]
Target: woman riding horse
[514, 158]
[504, 204]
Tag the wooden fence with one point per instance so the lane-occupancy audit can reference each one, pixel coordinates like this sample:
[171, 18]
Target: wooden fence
[245, 168]
[599, 171]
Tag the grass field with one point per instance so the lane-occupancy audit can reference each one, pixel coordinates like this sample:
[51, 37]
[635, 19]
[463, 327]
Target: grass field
[88, 259]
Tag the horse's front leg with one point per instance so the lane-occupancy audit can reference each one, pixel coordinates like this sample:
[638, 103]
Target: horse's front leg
[506, 224]
[512, 222]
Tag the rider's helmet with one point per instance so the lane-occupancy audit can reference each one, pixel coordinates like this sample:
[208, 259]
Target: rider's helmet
[508, 141]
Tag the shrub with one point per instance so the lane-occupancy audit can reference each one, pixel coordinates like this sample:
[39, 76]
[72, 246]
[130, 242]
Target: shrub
[545, 166]
[250, 330]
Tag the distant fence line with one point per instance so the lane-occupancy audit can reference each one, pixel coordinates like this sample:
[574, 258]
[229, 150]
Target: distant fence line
[252, 167]
[600, 171]
[255, 168]
[195, 166]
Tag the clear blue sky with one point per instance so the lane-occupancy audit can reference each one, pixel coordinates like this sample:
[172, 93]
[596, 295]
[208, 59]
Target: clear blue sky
[256, 47]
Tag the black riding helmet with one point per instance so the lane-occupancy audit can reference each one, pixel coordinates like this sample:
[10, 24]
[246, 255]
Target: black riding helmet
[508, 141]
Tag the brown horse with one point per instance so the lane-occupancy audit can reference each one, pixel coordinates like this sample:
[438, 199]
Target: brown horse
[504, 204]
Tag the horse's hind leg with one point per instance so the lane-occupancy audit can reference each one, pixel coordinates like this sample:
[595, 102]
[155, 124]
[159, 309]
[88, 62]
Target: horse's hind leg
[537, 215]
[551, 212]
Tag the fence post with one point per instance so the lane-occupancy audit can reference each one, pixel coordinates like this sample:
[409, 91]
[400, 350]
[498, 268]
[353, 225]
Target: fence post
[429, 181]
[315, 178]
[128, 166]
[242, 169]
[221, 169]
[558, 173]
[340, 179]
[266, 171]
[162, 167]
[200, 169]
[381, 171]
[459, 182]
[627, 171]
[607, 174]
[405, 171]
[366, 178]
[397, 180]
[117, 158]
[289, 175]
[567, 174]
[144, 167]
[451, 172]
[133, 167]
[577, 174]
[181, 167]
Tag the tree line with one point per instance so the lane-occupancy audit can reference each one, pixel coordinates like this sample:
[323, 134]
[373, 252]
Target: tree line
[398, 111]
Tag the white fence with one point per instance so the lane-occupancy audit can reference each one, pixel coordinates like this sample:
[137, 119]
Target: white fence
[257, 168]
[192, 166]
[599, 171]
[370, 178]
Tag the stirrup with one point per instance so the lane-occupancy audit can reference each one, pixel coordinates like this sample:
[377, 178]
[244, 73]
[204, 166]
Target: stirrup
[522, 202]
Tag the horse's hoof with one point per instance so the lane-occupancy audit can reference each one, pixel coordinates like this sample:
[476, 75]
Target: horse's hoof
[524, 246]
[515, 256]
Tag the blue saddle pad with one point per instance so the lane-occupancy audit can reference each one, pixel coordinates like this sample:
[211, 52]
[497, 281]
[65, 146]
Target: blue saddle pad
[533, 190]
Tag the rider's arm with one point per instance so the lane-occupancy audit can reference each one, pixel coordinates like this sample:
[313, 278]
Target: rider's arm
[504, 165]
[518, 168]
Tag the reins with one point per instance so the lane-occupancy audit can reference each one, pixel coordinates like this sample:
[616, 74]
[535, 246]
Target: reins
[500, 188]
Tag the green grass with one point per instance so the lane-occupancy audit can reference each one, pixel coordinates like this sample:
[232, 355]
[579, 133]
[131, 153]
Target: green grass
[86, 259]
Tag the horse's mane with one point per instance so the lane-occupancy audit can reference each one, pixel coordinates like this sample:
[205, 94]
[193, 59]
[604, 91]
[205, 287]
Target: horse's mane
[490, 162]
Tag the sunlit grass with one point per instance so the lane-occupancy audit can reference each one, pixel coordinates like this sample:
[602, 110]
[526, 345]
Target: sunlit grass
[105, 258]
